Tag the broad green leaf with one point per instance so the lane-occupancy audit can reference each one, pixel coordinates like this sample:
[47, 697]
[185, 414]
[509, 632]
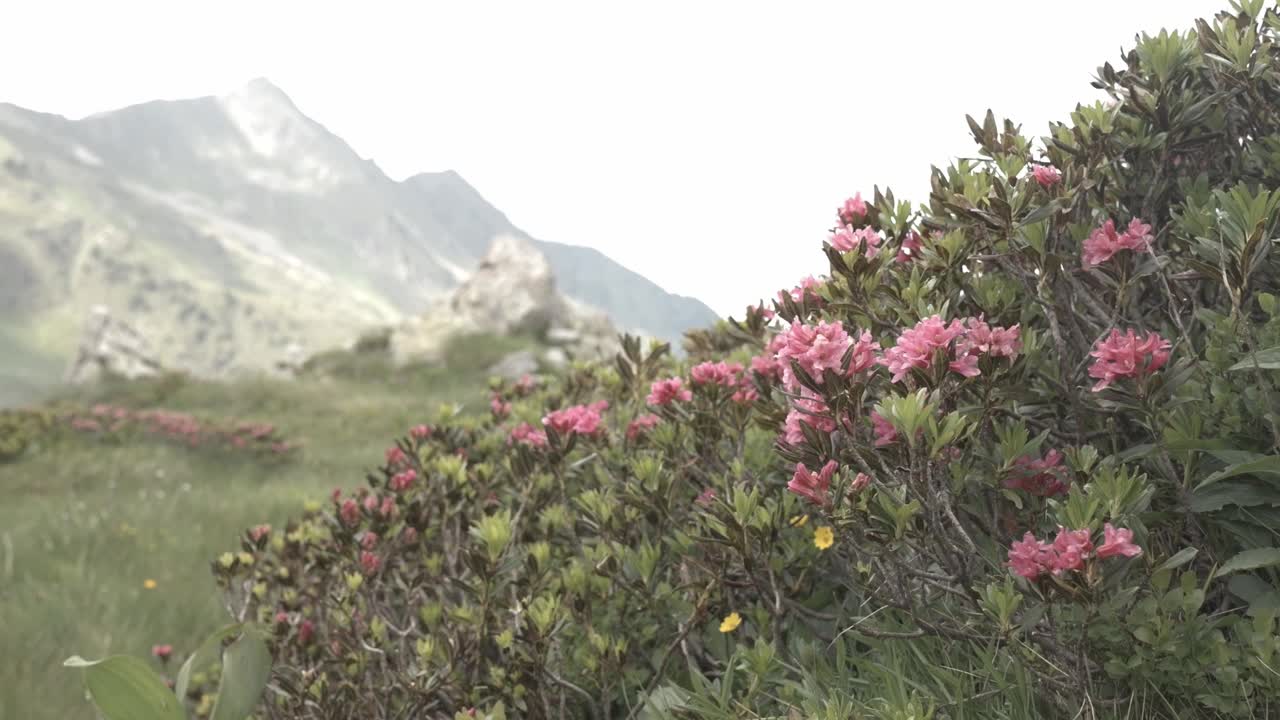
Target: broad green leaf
[1268, 359]
[1269, 465]
[208, 652]
[1244, 494]
[1180, 558]
[246, 667]
[1251, 560]
[125, 688]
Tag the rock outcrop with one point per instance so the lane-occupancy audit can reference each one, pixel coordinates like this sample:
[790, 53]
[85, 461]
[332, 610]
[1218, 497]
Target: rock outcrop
[111, 347]
[512, 292]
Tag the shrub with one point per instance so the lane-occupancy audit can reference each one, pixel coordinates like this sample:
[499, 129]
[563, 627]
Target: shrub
[19, 429]
[1015, 455]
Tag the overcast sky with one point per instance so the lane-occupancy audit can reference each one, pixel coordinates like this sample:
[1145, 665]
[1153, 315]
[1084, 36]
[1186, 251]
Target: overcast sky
[703, 144]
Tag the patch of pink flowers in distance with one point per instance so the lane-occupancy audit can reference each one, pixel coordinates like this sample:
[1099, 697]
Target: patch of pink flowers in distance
[1127, 356]
[1031, 558]
[578, 419]
[813, 486]
[641, 426]
[665, 392]
[1104, 242]
[180, 428]
[499, 407]
[853, 210]
[1046, 175]
[1043, 477]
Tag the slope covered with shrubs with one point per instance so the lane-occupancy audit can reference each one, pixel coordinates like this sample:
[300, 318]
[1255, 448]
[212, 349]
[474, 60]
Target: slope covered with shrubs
[1014, 454]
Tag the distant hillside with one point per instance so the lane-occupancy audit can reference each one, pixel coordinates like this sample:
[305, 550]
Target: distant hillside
[229, 228]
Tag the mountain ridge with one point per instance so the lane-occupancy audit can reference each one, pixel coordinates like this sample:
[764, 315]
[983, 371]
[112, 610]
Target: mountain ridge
[236, 225]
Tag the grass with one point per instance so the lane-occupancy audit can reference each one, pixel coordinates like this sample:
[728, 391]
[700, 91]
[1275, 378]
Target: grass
[85, 524]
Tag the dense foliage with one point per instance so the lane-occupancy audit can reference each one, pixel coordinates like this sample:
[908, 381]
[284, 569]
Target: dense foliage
[1014, 455]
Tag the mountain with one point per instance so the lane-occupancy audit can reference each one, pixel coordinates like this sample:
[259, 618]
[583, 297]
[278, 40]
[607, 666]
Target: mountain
[230, 228]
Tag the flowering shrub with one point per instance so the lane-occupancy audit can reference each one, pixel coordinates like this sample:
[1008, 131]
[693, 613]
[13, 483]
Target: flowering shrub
[954, 476]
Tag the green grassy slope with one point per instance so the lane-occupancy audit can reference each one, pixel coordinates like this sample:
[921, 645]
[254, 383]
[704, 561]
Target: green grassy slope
[84, 524]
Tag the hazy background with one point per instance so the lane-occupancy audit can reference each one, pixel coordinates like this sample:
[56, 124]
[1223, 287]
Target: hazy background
[686, 140]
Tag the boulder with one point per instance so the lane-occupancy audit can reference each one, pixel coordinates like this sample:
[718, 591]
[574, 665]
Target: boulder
[111, 347]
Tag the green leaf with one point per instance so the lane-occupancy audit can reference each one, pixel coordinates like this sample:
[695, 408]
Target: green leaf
[246, 667]
[1269, 465]
[125, 688]
[1251, 560]
[1179, 559]
[1244, 494]
[1268, 359]
[208, 652]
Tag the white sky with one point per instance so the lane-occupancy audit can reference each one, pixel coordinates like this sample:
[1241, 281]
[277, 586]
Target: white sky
[703, 144]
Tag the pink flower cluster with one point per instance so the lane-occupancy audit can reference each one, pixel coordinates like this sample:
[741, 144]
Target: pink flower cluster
[715, 373]
[973, 337]
[1043, 477]
[641, 426]
[1120, 356]
[853, 210]
[808, 409]
[1104, 242]
[885, 432]
[804, 292]
[1046, 175]
[821, 347]
[499, 407]
[403, 480]
[182, 428]
[420, 432]
[813, 486]
[526, 434]
[846, 239]
[910, 248]
[665, 392]
[1031, 558]
[578, 419]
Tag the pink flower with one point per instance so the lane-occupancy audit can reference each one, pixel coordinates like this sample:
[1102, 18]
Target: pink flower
[815, 348]
[766, 313]
[259, 532]
[370, 563]
[420, 432]
[847, 239]
[807, 410]
[409, 536]
[499, 408]
[860, 482]
[641, 426]
[1043, 477]
[1117, 541]
[916, 346]
[885, 432]
[369, 540]
[306, 629]
[403, 479]
[811, 485]
[580, 419]
[396, 457]
[715, 373]
[1030, 558]
[1071, 548]
[1119, 356]
[852, 210]
[1104, 242]
[388, 507]
[802, 293]
[282, 618]
[744, 395]
[706, 497]
[665, 392]
[979, 339]
[350, 513]
[910, 248]
[526, 434]
[371, 502]
[525, 385]
[1046, 175]
[765, 366]
[162, 651]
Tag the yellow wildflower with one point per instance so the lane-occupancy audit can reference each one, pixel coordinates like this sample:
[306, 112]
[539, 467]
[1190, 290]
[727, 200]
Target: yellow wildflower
[731, 622]
[823, 537]
[149, 584]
